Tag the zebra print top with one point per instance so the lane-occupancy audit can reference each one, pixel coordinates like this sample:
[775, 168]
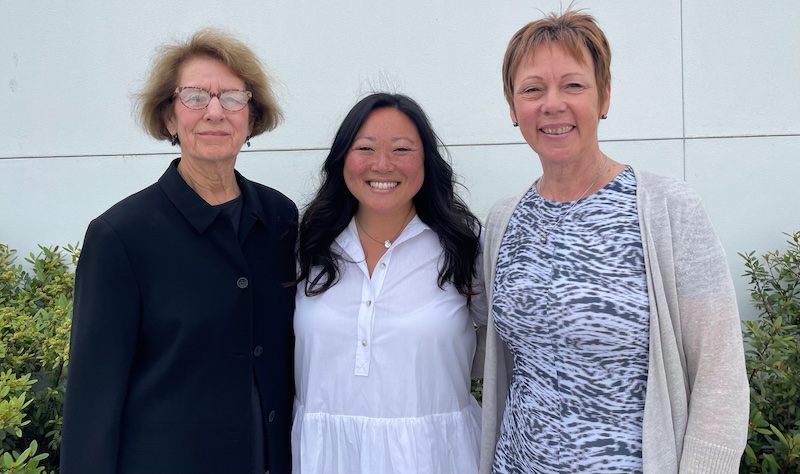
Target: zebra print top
[574, 313]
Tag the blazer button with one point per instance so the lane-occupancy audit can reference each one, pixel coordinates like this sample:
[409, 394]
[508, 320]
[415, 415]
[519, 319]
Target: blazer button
[242, 282]
[258, 351]
[271, 416]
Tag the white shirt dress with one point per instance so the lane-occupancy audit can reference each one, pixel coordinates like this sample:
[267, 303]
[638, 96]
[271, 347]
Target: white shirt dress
[382, 365]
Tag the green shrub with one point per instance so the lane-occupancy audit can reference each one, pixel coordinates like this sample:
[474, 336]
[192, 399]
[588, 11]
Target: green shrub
[773, 362]
[35, 322]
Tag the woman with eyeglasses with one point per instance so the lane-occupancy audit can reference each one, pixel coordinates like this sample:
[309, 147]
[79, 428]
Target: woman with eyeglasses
[181, 349]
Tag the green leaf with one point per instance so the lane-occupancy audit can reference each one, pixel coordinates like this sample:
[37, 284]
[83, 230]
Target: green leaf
[778, 434]
[750, 454]
[8, 461]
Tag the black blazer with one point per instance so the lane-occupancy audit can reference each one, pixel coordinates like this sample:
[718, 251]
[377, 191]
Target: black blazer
[173, 315]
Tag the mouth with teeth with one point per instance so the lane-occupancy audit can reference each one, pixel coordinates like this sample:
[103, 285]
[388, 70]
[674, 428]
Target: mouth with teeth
[557, 131]
[382, 184]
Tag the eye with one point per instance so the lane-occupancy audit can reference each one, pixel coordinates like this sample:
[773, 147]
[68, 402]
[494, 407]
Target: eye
[574, 86]
[194, 96]
[532, 91]
[362, 148]
[235, 99]
[227, 100]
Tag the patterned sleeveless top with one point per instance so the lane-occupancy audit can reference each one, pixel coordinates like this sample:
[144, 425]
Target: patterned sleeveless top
[574, 312]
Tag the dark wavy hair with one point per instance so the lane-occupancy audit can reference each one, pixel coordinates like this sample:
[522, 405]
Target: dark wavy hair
[436, 203]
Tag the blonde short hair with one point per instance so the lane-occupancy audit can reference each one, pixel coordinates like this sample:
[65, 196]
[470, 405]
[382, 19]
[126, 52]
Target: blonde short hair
[574, 31]
[155, 101]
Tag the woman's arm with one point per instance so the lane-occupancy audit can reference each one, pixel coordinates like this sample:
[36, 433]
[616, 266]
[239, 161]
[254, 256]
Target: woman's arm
[103, 342]
[719, 400]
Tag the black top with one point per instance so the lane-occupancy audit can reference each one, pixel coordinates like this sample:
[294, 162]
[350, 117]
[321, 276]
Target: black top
[174, 315]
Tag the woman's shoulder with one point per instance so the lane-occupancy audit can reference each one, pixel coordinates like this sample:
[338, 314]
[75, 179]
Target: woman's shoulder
[274, 204]
[502, 209]
[273, 198]
[653, 188]
[139, 203]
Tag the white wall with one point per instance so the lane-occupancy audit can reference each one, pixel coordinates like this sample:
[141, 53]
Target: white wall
[702, 90]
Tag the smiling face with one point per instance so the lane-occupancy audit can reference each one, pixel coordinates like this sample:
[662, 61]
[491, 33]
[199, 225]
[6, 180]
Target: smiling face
[212, 134]
[384, 168]
[556, 104]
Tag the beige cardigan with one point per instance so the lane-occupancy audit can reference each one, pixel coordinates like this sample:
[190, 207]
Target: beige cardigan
[697, 401]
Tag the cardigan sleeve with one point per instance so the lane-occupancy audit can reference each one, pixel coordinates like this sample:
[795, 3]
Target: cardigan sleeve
[498, 361]
[479, 305]
[103, 341]
[479, 310]
[716, 430]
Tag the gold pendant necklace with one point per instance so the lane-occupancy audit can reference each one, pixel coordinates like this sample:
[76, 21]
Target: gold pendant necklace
[386, 243]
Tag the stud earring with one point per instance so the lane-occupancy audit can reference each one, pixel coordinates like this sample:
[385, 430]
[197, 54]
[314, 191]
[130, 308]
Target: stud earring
[515, 124]
[175, 139]
[604, 116]
[248, 141]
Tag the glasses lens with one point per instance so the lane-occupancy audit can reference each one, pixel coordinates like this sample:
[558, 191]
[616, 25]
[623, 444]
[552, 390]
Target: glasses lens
[233, 100]
[195, 98]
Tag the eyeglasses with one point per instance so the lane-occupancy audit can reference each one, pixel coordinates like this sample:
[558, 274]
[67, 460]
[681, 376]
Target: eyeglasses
[196, 98]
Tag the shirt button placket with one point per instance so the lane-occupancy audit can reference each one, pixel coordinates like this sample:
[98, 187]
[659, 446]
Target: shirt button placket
[364, 341]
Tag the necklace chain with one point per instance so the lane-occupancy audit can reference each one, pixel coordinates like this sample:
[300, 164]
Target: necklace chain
[386, 243]
[583, 194]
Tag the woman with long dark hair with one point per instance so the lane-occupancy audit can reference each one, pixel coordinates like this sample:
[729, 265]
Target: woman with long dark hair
[389, 280]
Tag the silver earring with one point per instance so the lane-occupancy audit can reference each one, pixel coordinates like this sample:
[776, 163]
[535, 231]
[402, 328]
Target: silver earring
[175, 139]
[604, 116]
[248, 141]
[515, 124]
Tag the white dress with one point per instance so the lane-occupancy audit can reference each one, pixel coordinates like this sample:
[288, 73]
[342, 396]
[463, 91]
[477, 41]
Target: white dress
[382, 366]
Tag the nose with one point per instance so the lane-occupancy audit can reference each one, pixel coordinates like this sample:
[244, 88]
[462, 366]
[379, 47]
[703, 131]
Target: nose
[383, 162]
[214, 110]
[553, 101]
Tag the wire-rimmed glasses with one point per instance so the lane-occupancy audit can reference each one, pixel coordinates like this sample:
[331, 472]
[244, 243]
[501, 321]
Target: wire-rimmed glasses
[197, 98]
